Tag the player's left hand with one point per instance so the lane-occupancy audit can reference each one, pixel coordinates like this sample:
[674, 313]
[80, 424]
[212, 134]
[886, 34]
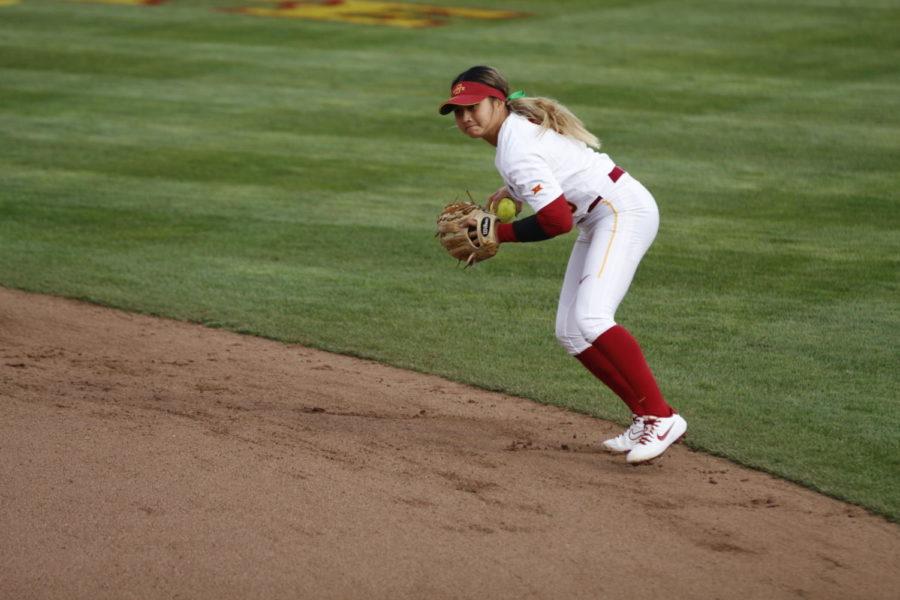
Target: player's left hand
[467, 232]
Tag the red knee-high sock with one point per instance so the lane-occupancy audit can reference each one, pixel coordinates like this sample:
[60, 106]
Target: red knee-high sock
[595, 362]
[625, 354]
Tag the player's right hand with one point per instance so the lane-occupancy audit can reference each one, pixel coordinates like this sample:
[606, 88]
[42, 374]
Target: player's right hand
[499, 195]
[496, 197]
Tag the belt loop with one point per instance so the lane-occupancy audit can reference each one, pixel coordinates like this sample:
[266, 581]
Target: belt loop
[594, 203]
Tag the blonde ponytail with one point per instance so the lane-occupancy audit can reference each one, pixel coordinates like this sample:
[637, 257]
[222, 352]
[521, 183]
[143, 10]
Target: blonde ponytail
[550, 114]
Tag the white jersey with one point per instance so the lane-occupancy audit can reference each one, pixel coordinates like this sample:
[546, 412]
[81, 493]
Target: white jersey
[540, 165]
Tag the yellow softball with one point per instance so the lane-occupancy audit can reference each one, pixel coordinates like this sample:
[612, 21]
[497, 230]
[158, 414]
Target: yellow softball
[506, 210]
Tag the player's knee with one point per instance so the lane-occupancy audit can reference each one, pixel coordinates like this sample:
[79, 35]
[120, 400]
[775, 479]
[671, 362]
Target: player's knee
[592, 326]
[570, 339]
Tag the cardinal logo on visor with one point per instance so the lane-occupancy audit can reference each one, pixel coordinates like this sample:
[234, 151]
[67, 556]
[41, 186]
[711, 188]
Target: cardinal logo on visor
[459, 89]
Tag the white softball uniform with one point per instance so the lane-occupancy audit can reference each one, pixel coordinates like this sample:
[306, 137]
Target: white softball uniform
[616, 216]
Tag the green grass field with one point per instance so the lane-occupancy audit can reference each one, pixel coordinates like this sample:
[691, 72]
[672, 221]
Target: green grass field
[281, 177]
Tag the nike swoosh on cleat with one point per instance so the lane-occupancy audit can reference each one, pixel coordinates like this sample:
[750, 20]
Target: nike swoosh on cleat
[666, 434]
[582, 279]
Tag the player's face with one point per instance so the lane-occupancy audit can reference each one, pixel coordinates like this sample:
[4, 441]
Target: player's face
[480, 120]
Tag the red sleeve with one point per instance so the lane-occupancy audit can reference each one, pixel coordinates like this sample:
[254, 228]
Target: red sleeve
[506, 233]
[551, 221]
[556, 218]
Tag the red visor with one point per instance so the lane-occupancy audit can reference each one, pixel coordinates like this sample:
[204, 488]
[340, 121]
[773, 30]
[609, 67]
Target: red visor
[467, 93]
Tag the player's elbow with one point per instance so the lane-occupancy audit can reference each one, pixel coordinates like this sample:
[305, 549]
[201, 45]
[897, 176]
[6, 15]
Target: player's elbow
[558, 226]
[556, 218]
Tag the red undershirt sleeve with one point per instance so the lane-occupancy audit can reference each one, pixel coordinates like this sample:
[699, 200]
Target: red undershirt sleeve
[551, 221]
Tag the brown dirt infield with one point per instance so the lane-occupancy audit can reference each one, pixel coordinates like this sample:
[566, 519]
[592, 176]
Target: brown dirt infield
[146, 458]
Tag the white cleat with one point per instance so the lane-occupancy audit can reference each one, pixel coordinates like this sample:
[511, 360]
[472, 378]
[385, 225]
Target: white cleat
[659, 433]
[628, 439]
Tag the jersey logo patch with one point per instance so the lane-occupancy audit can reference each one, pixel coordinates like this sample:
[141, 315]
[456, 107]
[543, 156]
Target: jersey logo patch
[537, 188]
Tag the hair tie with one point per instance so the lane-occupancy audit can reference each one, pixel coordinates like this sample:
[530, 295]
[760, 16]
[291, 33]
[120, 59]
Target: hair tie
[516, 95]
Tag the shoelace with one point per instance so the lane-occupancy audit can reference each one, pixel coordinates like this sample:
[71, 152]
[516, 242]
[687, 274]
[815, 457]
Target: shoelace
[637, 426]
[650, 425]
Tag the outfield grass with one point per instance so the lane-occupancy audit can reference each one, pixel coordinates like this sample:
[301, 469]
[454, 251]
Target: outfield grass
[281, 178]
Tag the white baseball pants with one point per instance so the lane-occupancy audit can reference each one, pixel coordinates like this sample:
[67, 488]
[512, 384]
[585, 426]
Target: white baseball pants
[613, 239]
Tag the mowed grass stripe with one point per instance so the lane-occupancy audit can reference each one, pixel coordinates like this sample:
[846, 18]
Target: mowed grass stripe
[281, 178]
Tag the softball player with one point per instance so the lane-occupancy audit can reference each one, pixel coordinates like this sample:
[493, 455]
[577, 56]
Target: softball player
[547, 158]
